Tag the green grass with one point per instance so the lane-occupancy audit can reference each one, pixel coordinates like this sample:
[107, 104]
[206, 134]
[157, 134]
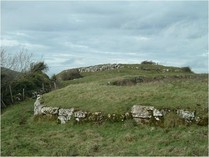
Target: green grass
[24, 135]
[95, 96]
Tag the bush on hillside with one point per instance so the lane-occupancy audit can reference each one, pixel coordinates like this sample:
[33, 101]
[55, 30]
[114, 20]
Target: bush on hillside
[70, 74]
[32, 82]
[29, 82]
[54, 78]
[186, 69]
[148, 62]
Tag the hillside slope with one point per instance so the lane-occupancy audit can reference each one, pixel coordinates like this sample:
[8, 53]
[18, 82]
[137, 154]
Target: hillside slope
[118, 89]
[112, 91]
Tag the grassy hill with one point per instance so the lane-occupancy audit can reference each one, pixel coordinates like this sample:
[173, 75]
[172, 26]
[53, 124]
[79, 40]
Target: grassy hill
[162, 87]
[112, 91]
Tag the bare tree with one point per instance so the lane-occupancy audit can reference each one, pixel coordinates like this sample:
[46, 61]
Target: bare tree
[18, 62]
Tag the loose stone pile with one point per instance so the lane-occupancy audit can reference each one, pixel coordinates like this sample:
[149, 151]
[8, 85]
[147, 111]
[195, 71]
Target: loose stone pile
[141, 114]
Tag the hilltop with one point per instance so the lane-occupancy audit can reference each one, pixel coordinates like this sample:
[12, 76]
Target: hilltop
[116, 87]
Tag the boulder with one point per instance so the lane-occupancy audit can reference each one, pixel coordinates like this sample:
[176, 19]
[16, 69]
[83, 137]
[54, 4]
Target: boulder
[139, 111]
[142, 114]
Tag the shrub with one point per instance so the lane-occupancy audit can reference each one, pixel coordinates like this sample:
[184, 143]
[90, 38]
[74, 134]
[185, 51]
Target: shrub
[186, 69]
[54, 77]
[31, 82]
[148, 62]
[39, 66]
[70, 74]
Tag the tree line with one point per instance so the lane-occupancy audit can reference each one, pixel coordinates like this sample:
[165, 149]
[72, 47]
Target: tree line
[22, 77]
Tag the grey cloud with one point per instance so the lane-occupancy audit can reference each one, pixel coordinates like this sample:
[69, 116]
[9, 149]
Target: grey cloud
[102, 32]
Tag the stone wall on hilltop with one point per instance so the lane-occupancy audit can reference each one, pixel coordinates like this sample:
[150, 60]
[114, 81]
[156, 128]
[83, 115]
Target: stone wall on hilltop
[97, 68]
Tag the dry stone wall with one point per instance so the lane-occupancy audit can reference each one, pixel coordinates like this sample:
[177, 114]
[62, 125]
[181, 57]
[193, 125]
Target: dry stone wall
[146, 114]
[141, 114]
[97, 68]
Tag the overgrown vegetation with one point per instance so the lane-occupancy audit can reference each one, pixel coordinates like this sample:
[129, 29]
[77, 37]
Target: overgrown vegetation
[186, 69]
[30, 77]
[69, 75]
[148, 62]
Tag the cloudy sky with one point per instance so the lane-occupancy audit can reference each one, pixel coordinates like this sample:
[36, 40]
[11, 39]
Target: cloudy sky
[70, 34]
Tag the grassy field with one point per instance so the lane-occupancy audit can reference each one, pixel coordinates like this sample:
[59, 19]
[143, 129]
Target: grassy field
[24, 134]
[21, 134]
[117, 99]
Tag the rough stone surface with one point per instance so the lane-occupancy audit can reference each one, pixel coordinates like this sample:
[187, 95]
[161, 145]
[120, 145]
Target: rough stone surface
[141, 114]
[139, 111]
[188, 116]
[49, 110]
[37, 106]
[99, 68]
[62, 119]
[65, 115]
[157, 114]
[80, 115]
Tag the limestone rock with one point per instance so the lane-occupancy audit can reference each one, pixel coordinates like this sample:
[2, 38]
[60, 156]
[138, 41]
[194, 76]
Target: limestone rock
[139, 111]
[142, 114]
[62, 119]
[38, 101]
[188, 116]
[65, 115]
[37, 109]
[96, 68]
[79, 115]
[49, 110]
[37, 106]
[157, 114]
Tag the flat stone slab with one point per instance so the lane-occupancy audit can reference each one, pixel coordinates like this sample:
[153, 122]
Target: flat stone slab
[139, 111]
